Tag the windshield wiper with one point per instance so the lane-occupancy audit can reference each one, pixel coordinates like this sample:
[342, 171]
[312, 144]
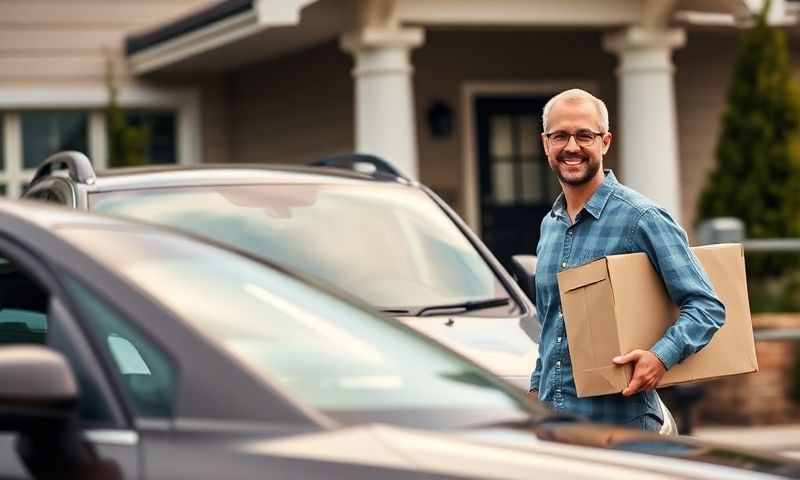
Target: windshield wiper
[465, 306]
[396, 310]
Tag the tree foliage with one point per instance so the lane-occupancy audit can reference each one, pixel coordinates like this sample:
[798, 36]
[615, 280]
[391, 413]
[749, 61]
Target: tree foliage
[127, 144]
[757, 176]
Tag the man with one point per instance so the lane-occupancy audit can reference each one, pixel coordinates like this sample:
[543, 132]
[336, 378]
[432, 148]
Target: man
[593, 217]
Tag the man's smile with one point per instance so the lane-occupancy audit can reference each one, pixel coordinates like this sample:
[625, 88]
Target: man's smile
[572, 160]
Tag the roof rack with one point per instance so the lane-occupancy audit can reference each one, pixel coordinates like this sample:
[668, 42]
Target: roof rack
[79, 166]
[363, 163]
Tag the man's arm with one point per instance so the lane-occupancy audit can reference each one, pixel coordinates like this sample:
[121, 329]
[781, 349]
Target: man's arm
[688, 286]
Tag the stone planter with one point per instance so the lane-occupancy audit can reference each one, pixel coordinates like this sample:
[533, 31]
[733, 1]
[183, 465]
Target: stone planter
[758, 398]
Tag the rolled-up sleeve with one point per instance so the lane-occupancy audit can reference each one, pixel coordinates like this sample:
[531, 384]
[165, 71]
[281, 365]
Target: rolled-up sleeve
[701, 311]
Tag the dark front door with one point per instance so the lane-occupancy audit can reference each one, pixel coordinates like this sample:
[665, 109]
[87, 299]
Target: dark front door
[517, 188]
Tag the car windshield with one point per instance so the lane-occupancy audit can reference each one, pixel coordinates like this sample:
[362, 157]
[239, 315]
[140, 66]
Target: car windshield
[390, 245]
[327, 351]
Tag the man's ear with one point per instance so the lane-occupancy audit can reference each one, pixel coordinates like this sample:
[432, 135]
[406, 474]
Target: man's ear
[607, 142]
[544, 144]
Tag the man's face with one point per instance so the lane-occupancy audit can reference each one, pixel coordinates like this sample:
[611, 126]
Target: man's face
[575, 164]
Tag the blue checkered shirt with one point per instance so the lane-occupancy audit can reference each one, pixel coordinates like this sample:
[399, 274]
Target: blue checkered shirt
[617, 220]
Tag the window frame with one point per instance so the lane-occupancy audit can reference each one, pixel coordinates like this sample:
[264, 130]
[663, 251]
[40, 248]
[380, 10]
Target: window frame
[185, 103]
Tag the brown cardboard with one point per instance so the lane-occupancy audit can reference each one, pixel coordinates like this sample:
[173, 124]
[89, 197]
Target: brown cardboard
[618, 303]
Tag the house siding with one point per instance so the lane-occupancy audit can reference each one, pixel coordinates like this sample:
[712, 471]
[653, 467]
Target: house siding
[702, 74]
[293, 109]
[65, 42]
[216, 120]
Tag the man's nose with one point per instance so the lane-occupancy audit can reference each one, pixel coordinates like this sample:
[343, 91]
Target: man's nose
[572, 145]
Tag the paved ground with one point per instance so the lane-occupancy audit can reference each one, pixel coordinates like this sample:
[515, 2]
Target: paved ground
[777, 438]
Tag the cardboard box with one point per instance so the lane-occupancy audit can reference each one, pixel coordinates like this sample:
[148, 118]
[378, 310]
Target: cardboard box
[619, 303]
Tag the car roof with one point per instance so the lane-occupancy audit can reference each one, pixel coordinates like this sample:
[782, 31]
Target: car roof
[231, 174]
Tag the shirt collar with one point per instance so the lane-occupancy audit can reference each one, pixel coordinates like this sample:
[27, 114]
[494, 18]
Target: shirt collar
[596, 204]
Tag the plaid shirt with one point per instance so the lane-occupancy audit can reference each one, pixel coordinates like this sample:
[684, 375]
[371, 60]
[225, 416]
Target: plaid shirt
[617, 220]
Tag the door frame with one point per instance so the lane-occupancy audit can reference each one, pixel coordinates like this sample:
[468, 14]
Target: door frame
[497, 88]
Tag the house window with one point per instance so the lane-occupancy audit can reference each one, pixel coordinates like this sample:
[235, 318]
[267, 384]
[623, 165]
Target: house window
[45, 133]
[28, 137]
[160, 128]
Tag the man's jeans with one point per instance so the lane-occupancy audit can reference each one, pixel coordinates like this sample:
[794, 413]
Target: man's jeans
[647, 423]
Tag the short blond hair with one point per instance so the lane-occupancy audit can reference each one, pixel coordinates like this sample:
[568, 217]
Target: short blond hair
[573, 95]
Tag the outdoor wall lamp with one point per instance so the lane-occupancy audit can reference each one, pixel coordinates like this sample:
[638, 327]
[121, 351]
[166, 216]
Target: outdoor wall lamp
[440, 120]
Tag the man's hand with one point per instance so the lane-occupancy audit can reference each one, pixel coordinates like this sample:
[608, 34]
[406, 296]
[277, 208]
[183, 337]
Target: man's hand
[647, 370]
[533, 394]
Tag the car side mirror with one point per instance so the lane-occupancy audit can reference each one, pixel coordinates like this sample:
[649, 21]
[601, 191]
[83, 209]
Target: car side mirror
[524, 272]
[39, 401]
[37, 388]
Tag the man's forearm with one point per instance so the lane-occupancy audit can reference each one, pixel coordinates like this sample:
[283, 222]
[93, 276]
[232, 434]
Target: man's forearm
[701, 313]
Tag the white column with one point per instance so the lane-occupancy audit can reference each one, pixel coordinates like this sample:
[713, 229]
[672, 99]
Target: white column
[385, 123]
[647, 121]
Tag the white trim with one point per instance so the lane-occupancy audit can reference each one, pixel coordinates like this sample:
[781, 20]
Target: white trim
[98, 140]
[125, 438]
[470, 90]
[195, 43]
[93, 97]
[189, 131]
[13, 157]
[569, 13]
[280, 13]
[263, 15]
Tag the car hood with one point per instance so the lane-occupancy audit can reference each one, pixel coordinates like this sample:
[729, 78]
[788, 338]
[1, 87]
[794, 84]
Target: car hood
[644, 449]
[505, 453]
[498, 344]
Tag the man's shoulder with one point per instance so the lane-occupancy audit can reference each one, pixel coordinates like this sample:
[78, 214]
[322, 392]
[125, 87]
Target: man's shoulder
[630, 200]
[549, 222]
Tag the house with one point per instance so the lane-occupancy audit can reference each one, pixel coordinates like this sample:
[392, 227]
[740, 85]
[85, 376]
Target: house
[451, 91]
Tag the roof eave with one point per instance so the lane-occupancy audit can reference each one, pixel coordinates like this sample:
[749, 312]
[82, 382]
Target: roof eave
[255, 16]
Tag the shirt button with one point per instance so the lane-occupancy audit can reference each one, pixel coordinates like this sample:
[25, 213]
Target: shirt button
[558, 339]
[558, 363]
[569, 232]
[564, 265]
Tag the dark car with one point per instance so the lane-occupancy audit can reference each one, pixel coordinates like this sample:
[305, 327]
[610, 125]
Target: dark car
[131, 351]
[369, 231]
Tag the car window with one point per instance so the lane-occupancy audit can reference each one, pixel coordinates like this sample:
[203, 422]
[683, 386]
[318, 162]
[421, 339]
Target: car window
[22, 326]
[147, 374]
[48, 195]
[25, 319]
[330, 353]
[44, 195]
[389, 245]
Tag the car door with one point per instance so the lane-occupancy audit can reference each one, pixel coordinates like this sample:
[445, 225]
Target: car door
[37, 310]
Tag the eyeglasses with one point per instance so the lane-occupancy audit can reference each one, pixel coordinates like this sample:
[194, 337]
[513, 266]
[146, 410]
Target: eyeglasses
[584, 138]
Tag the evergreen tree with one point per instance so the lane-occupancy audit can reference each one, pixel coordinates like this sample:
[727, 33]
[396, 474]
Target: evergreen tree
[757, 177]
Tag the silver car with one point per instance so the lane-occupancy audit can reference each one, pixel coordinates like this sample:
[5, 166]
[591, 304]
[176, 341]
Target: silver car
[367, 230]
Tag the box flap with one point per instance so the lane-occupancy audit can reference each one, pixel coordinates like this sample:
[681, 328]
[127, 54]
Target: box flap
[582, 276]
